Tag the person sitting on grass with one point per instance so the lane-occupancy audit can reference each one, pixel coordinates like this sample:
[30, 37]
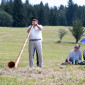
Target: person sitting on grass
[84, 54]
[74, 55]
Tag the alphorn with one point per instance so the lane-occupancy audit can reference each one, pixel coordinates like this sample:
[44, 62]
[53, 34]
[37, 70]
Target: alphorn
[13, 64]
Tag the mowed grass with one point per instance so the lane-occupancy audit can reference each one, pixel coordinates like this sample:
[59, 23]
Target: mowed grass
[54, 53]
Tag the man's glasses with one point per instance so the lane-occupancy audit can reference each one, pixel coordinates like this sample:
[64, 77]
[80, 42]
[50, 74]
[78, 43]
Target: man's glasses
[76, 48]
[33, 20]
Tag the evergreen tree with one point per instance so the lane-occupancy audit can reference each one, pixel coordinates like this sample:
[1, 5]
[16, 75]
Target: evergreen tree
[23, 12]
[53, 17]
[19, 14]
[61, 7]
[62, 16]
[27, 2]
[5, 19]
[70, 12]
[3, 3]
[42, 14]
[26, 11]
[47, 12]
[82, 14]
[9, 7]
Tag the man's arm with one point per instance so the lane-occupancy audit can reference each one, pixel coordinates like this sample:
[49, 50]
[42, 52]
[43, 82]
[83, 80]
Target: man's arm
[69, 56]
[69, 61]
[39, 27]
[28, 31]
[80, 55]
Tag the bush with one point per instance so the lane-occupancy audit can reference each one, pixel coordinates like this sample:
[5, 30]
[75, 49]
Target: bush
[62, 32]
[77, 30]
[5, 19]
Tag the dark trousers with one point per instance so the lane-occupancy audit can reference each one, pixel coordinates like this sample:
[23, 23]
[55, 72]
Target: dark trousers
[36, 56]
[71, 60]
[84, 57]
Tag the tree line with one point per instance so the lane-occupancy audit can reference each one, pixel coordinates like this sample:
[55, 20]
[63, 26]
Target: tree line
[17, 14]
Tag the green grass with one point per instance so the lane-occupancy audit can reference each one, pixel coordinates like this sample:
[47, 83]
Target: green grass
[54, 53]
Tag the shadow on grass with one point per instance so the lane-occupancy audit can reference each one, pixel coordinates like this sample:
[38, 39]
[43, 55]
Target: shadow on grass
[58, 41]
[66, 42]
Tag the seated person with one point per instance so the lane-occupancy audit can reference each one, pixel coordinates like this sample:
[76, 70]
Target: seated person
[74, 55]
[84, 54]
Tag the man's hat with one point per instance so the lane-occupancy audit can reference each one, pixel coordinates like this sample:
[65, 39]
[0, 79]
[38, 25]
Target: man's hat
[34, 18]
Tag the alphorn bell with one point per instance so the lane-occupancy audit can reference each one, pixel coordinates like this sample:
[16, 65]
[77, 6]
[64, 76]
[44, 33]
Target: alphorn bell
[13, 64]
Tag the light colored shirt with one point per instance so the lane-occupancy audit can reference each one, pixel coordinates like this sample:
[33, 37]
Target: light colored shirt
[75, 55]
[35, 33]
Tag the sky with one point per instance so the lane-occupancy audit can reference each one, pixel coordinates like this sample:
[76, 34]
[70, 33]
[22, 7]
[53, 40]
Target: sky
[57, 3]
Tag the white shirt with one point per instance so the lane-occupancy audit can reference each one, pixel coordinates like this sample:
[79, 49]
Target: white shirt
[35, 33]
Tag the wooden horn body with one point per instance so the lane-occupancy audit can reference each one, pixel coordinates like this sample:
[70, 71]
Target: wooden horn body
[12, 64]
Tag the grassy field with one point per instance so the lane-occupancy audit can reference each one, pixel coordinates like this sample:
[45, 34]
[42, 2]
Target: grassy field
[54, 53]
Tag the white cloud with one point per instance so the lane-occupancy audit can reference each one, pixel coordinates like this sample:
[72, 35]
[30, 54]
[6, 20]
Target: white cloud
[56, 2]
[50, 2]
[0, 1]
[79, 2]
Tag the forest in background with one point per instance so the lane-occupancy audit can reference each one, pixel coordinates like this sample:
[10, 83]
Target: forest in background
[14, 13]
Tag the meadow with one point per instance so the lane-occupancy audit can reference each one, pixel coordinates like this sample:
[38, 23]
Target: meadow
[54, 53]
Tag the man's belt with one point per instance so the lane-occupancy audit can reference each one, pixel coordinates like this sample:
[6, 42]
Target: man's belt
[34, 39]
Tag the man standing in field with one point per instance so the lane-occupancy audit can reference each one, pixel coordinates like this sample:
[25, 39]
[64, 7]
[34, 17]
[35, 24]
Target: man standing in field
[35, 41]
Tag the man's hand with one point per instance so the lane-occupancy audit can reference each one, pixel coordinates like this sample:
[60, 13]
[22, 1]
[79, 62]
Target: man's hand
[39, 27]
[69, 62]
[36, 23]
